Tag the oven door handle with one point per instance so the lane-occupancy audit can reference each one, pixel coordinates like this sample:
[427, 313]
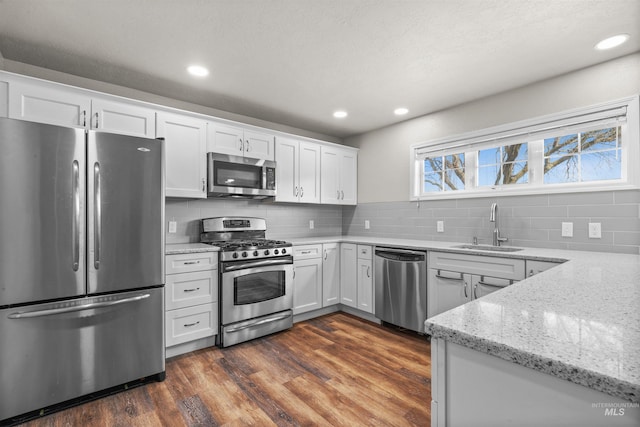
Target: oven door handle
[253, 264]
[260, 322]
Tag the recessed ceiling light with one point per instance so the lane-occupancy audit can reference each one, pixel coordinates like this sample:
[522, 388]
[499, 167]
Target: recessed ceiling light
[340, 114]
[612, 42]
[400, 111]
[197, 70]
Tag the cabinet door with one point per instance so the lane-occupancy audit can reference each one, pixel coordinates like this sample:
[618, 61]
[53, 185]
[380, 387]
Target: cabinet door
[225, 139]
[329, 175]
[287, 170]
[123, 118]
[185, 155]
[258, 145]
[348, 178]
[484, 285]
[330, 274]
[348, 275]
[307, 284]
[365, 285]
[309, 172]
[48, 103]
[447, 290]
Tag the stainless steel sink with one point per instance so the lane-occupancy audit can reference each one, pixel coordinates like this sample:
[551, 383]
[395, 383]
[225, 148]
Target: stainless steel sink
[489, 248]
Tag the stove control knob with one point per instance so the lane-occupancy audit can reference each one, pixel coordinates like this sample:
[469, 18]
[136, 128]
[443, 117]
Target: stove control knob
[235, 255]
[244, 254]
[276, 252]
[266, 252]
[255, 253]
[284, 251]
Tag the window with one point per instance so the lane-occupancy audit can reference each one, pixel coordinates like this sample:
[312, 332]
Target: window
[504, 165]
[588, 149]
[444, 173]
[588, 156]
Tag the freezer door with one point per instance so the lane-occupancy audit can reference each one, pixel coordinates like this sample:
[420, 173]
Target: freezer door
[42, 227]
[126, 210]
[54, 352]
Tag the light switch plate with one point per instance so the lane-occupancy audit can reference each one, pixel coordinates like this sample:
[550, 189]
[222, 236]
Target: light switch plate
[367, 224]
[311, 224]
[567, 229]
[173, 226]
[595, 232]
[440, 226]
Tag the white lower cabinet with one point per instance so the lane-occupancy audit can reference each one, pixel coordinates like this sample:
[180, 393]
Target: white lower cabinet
[330, 274]
[191, 299]
[365, 279]
[454, 278]
[356, 276]
[307, 278]
[349, 274]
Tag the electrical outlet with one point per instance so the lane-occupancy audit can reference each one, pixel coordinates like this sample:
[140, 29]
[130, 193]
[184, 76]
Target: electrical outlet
[595, 232]
[440, 226]
[311, 224]
[567, 229]
[173, 226]
[367, 224]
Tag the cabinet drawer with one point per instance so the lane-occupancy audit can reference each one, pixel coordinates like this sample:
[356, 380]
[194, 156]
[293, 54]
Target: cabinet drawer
[307, 251]
[185, 263]
[534, 267]
[506, 268]
[188, 289]
[364, 252]
[192, 323]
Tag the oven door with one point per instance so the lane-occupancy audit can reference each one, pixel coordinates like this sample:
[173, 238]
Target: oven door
[255, 288]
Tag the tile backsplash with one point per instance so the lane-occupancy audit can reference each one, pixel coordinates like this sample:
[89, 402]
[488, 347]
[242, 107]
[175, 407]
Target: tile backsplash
[530, 221]
[284, 220]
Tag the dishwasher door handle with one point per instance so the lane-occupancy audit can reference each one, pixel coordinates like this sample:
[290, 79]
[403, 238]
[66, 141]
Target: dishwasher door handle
[400, 255]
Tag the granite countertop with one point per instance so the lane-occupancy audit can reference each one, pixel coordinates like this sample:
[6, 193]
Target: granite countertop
[579, 321]
[188, 248]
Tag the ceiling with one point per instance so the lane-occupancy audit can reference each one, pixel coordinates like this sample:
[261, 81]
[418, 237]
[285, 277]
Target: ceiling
[295, 62]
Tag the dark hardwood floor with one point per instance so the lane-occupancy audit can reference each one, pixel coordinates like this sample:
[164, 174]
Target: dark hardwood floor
[335, 370]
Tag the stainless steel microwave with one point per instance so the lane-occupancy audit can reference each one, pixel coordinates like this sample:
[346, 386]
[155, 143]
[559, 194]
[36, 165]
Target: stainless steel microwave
[235, 176]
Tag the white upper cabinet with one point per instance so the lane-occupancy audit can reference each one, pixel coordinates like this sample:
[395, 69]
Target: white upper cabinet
[339, 173]
[298, 171]
[122, 118]
[185, 154]
[61, 105]
[237, 141]
[49, 103]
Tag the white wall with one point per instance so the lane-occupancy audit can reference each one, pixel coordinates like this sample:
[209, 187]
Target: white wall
[383, 160]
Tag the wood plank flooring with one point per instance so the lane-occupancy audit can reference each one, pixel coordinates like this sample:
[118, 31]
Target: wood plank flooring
[335, 370]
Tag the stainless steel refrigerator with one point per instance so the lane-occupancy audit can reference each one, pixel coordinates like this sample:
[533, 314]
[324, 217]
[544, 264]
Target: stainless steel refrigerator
[81, 265]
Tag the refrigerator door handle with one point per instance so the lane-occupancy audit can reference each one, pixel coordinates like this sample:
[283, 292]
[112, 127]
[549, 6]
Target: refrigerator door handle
[97, 216]
[90, 306]
[75, 224]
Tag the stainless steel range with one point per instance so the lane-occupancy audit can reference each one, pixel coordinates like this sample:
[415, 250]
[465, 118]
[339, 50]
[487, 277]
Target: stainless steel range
[256, 278]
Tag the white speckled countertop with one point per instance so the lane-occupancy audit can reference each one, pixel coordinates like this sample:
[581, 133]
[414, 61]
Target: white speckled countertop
[579, 321]
[188, 248]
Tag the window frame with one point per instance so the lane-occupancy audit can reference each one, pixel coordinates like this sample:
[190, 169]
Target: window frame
[472, 142]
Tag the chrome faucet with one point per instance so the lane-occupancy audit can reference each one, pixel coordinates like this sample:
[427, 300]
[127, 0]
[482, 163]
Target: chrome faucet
[493, 217]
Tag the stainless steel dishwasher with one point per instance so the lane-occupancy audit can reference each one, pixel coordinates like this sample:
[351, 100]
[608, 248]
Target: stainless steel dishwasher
[401, 287]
